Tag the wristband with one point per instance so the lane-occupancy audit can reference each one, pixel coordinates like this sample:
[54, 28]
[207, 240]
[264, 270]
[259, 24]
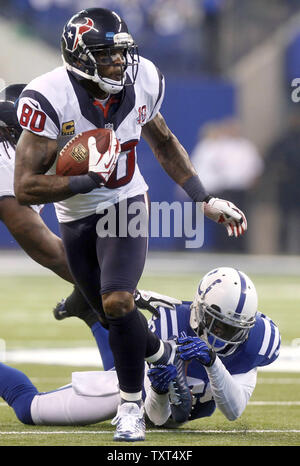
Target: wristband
[212, 355]
[82, 184]
[195, 189]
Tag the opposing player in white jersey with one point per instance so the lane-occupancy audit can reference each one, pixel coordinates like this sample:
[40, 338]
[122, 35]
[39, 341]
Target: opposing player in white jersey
[104, 84]
[221, 335]
[24, 222]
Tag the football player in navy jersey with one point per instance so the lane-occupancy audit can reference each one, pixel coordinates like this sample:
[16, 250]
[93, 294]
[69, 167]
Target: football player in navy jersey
[220, 335]
[104, 83]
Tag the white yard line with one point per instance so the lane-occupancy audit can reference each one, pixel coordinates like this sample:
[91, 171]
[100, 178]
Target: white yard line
[274, 403]
[158, 431]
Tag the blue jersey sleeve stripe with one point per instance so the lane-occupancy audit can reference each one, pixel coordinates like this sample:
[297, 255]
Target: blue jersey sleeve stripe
[266, 339]
[174, 322]
[45, 105]
[242, 295]
[168, 323]
[276, 341]
[271, 340]
[163, 324]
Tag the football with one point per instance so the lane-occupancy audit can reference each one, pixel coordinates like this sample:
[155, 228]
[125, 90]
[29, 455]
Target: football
[73, 159]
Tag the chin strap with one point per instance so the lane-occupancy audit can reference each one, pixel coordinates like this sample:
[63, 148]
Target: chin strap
[110, 86]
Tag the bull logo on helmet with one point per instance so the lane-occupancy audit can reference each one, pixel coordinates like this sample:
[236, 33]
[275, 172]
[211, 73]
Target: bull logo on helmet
[74, 31]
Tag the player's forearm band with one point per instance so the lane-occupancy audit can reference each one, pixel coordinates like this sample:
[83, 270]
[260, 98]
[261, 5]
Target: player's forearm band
[82, 184]
[195, 189]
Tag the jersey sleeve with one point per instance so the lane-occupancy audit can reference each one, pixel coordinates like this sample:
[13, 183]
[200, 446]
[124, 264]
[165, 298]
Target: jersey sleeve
[152, 81]
[171, 322]
[270, 343]
[36, 113]
[160, 96]
[263, 345]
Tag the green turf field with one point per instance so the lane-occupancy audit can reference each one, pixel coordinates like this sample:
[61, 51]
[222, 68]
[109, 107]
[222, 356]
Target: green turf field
[272, 418]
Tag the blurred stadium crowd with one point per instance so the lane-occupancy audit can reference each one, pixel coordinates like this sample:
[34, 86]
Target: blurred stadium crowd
[194, 36]
[204, 46]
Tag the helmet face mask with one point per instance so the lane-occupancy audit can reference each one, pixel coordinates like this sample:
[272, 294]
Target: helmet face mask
[224, 309]
[10, 130]
[221, 331]
[10, 133]
[91, 41]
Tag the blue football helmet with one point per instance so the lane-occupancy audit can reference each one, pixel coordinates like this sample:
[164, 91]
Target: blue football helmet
[9, 125]
[224, 309]
[93, 37]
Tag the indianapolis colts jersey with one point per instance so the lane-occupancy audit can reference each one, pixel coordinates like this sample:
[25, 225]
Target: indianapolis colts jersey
[260, 349]
[7, 169]
[56, 106]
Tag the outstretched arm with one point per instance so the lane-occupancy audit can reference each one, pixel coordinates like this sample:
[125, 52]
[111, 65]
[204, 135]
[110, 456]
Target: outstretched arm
[176, 162]
[167, 149]
[230, 392]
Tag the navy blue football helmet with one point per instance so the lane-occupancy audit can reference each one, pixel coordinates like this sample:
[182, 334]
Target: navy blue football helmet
[9, 124]
[12, 92]
[94, 32]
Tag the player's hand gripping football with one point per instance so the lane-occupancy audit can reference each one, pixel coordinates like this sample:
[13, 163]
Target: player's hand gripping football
[160, 377]
[225, 212]
[104, 164]
[194, 348]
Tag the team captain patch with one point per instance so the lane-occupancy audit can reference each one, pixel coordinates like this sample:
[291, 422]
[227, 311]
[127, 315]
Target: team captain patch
[68, 128]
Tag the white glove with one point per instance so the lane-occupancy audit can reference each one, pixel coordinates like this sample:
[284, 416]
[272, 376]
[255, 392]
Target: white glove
[150, 300]
[221, 211]
[104, 164]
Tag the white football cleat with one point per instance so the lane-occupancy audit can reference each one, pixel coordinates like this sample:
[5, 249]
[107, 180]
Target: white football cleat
[130, 423]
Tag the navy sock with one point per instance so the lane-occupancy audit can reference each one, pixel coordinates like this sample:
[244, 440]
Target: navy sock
[18, 391]
[128, 340]
[153, 341]
[101, 336]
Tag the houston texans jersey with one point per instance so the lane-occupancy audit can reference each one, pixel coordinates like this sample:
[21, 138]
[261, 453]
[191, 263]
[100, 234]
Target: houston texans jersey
[260, 349]
[56, 106]
[7, 169]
